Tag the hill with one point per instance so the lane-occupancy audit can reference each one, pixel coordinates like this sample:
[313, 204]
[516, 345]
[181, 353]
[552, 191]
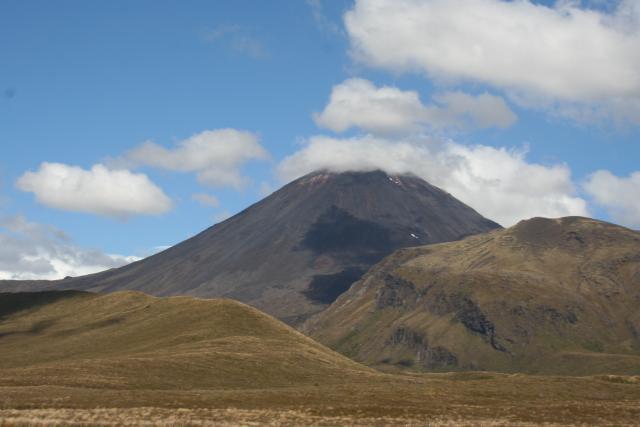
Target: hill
[129, 340]
[294, 252]
[554, 296]
[130, 359]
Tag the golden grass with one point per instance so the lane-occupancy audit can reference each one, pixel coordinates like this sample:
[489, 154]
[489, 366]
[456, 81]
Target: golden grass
[229, 417]
[180, 361]
[129, 340]
[473, 399]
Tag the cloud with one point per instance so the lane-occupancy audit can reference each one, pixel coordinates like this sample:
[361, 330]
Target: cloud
[480, 111]
[567, 57]
[206, 199]
[99, 190]
[497, 182]
[237, 39]
[389, 110]
[215, 155]
[618, 195]
[35, 251]
[358, 103]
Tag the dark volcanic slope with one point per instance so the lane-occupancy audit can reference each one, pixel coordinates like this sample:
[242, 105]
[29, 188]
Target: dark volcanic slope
[554, 296]
[295, 251]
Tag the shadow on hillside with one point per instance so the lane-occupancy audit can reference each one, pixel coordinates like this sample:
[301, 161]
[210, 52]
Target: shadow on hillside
[35, 329]
[11, 303]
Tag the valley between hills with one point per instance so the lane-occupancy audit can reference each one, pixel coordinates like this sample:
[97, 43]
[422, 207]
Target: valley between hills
[385, 301]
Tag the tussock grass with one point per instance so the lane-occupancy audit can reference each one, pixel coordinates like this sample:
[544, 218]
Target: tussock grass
[130, 359]
[234, 417]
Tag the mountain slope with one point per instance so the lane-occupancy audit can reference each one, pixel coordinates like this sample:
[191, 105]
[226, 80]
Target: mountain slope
[545, 296]
[294, 252]
[130, 340]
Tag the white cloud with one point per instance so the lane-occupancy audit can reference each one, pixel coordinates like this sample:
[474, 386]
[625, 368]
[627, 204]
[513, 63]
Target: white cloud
[539, 54]
[501, 184]
[206, 199]
[35, 251]
[99, 190]
[619, 195]
[498, 183]
[215, 155]
[389, 110]
[358, 103]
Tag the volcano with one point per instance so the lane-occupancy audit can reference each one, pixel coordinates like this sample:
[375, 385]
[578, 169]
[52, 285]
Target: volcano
[294, 252]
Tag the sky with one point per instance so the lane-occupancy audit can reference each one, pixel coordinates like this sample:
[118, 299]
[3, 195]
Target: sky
[129, 126]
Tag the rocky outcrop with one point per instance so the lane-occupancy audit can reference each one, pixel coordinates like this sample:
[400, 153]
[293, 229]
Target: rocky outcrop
[427, 356]
[396, 292]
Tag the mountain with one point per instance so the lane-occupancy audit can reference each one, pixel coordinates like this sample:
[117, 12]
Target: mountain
[552, 296]
[294, 252]
[128, 340]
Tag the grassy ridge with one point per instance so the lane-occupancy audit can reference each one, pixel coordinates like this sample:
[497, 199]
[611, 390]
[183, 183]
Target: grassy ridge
[131, 340]
[547, 296]
[128, 358]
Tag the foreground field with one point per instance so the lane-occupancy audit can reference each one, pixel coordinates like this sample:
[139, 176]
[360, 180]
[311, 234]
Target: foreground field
[378, 399]
[240, 417]
[126, 358]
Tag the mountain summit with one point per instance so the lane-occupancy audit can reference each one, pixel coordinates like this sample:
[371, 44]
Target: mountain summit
[294, 252]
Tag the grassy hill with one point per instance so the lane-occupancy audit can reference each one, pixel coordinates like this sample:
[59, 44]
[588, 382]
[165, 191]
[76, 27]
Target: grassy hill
[131, 340]
[552, 296]
[130, 359]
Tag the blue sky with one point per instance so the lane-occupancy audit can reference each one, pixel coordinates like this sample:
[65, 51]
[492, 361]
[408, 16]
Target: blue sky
[88, 83]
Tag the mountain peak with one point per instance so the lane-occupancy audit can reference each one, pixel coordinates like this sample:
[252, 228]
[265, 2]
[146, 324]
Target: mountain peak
[376, 179]
[374, 174]
[294, 252]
